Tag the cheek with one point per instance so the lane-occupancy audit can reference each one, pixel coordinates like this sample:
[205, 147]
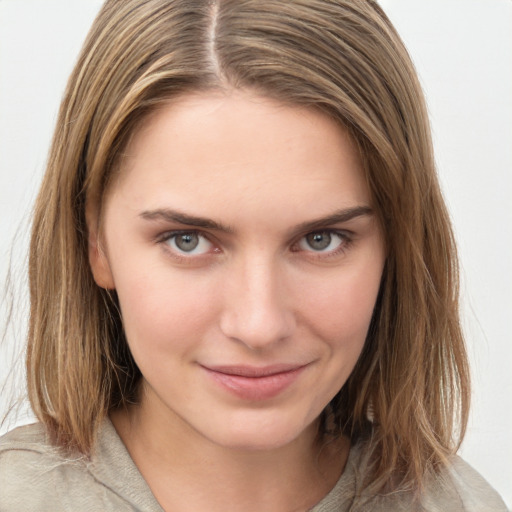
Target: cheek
[163, 309]
[340, 308]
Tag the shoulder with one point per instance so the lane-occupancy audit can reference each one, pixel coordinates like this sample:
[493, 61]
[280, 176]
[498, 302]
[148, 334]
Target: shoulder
[468, 488]
[36, 476]
[456, 488]
[25, 450]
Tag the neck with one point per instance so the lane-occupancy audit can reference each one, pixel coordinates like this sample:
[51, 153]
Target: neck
[186, 471]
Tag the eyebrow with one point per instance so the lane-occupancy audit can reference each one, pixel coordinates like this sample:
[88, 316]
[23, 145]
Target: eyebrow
[176, 216]
[337, 217]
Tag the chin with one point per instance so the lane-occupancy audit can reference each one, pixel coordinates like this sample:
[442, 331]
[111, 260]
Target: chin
[270, 434]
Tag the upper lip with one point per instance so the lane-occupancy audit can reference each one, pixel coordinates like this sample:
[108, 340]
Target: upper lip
[254, 371]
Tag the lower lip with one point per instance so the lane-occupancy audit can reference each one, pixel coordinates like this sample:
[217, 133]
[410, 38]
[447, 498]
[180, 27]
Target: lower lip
[256, 388]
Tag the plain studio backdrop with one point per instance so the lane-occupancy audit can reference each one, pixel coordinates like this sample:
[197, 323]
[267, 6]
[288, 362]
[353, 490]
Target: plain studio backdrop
[463, 52]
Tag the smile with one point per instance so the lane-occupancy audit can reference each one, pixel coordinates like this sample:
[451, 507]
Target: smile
[252, 383]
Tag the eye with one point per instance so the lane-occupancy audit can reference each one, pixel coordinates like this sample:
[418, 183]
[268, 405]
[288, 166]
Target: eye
[188, 242]
[322, 241]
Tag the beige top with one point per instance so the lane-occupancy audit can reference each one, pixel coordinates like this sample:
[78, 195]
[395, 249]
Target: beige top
[34, 477]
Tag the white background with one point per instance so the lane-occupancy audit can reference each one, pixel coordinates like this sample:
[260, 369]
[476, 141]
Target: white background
[463, 53]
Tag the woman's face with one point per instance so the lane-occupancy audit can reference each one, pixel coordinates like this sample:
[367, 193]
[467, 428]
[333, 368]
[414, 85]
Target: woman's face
[242, 244]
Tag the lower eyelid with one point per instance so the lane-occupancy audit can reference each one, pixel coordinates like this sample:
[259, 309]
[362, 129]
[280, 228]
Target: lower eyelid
[343, 248]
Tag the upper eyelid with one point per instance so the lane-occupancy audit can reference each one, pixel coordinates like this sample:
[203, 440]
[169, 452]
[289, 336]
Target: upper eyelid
[346, 233]
[175, 232]
[206, 234]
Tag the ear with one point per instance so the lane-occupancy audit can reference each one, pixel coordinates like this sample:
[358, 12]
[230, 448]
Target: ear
[98, 260]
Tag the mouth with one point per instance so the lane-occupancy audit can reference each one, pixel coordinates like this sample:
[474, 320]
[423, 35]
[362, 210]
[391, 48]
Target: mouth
[255, 383]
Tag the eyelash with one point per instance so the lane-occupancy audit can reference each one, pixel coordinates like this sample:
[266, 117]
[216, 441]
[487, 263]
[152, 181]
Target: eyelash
[346, 240]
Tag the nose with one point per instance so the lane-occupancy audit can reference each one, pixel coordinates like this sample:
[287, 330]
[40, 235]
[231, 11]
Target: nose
[257, 308]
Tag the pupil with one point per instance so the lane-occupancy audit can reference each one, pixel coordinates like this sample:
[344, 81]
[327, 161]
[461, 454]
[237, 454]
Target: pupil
[319, 241]
[187, 242]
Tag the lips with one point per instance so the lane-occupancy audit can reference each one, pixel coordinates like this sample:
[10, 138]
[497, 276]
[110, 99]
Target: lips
[255, 383]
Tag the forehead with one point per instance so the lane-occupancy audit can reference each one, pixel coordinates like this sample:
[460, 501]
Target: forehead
[238, 152]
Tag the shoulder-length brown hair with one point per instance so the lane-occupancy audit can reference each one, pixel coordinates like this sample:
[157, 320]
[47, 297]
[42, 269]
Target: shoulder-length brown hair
[343, 57]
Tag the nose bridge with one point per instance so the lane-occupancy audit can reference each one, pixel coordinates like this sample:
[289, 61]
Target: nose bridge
[256, 308]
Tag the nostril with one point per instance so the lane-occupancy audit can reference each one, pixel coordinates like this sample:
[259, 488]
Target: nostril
[257, 328]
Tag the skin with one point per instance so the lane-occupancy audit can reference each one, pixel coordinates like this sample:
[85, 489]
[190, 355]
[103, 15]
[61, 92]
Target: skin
[256, 292]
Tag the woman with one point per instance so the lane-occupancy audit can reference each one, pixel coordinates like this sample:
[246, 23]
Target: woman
[243, 277]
